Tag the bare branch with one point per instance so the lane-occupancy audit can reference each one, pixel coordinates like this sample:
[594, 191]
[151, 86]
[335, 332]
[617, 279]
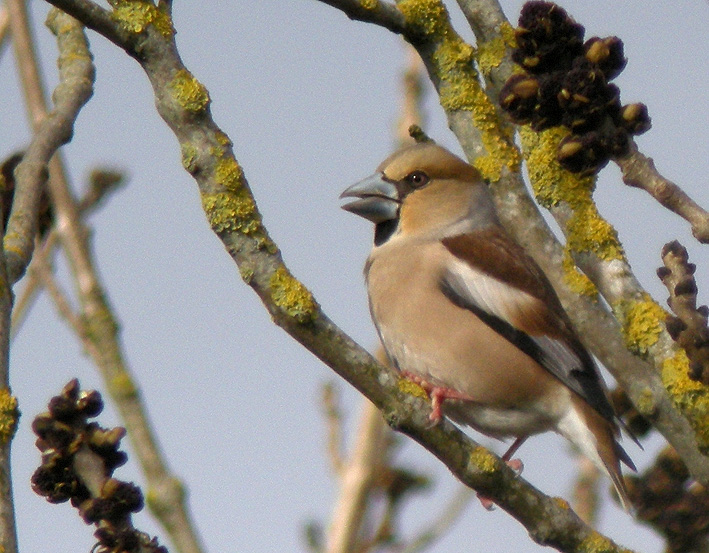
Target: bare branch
[689, 327]
[484, 17]
[76, 75]
[586, 490]
[358, 477]
[379, 12]
[101, 21]
[102, 183]
[333, 419]
[411, 95]
[100, 336]
[183, 103]
[42, 272]
[639, 171]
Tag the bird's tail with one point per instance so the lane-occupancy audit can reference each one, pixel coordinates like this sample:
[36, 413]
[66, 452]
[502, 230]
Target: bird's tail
[596, 438]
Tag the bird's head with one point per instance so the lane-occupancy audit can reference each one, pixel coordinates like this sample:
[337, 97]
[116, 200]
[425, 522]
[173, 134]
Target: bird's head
[421, 189]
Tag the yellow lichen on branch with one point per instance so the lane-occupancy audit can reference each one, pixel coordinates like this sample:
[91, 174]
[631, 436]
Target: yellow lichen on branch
[292, 296]
[229, 174]
[689, 396]
[9, 416]
[188, 92]
[577, 280]
[553, 186]
[452, 61]
[410, 387]
[598, 543]
[231, 212]
[136, 15]
[491, 53]
[642, 323]
[483, 460]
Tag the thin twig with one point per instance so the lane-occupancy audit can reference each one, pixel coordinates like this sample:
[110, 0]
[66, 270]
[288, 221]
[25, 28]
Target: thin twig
[166, 493]
[380, 12]
[689, 327]
[333, 419]
[43, 274]
[103, 183]
[32, 283]
[51, 131]
[639, 171]
[231, 210]
[585, 494]
[411, 97]
[4, 27]
[9, 415]
[357, 479]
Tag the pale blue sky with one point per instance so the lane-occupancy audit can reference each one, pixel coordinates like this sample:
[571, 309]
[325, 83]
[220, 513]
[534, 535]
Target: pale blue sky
[309, 99]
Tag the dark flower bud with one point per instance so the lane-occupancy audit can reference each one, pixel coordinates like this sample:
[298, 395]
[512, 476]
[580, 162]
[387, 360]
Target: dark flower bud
[618, 143]
[583, 154]
[71, 389]
[129, 496]
[547, 112]
[675, 326]
[518, 97]
[586, 97]
[62, 408]
[635, 119]
[608, 54]
[90, 403]
[569, 147]
[42, 424]
[547, 38]
[687, 286]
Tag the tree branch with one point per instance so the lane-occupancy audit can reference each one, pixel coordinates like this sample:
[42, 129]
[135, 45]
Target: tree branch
[673, 405]
[100, 336]
[51, 131]
[207, 154]
[639, 171]
[357, 479]
[103, 182]
[379, 12]
[4, 27]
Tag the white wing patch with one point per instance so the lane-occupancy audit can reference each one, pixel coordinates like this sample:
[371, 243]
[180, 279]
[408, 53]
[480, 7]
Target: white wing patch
[509, 304]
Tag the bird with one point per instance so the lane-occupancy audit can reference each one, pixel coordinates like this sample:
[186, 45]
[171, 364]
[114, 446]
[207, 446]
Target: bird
[462, 310]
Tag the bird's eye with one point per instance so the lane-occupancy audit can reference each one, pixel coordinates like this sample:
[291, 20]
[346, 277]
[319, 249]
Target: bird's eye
[417, 178]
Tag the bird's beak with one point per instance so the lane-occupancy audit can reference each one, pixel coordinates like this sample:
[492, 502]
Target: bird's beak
[379, 199]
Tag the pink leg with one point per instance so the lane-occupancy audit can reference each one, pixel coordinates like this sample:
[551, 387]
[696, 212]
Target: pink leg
[438, 395]
[515, 464]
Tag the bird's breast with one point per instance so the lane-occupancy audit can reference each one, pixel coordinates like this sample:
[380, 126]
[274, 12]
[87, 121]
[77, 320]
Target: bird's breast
[426, 334]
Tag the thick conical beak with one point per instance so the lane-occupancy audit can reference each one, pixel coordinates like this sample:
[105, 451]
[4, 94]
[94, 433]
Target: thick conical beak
[379, 199]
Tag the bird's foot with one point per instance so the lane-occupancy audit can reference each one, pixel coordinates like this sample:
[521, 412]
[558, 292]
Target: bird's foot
[487, 503]
[517, 466]
[438, 395]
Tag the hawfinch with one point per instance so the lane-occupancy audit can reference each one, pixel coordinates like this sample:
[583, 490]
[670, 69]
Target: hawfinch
[462, 310]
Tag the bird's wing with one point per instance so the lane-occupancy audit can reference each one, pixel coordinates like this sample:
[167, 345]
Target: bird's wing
[493, 277]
